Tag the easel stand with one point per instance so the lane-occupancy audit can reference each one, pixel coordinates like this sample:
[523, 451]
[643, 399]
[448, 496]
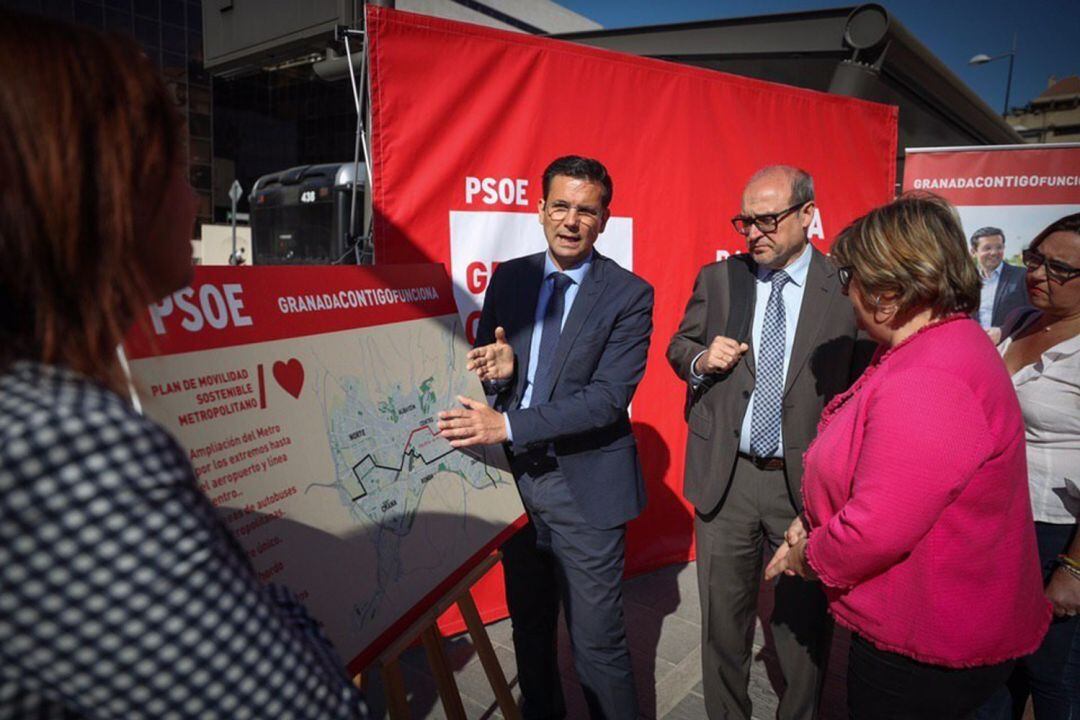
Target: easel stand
[426, 629]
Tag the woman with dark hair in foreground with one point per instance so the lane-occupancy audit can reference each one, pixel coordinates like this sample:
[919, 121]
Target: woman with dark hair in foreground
[1041, 347]
[918, 520]
[121, 594]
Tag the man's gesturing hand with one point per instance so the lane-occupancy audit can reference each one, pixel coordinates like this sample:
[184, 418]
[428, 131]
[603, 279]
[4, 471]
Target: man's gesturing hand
[474, 424]
[723, 354]
[492, 362]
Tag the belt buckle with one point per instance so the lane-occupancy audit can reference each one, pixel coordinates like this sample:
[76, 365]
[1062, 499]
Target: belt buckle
[764, 463]
[771, 463]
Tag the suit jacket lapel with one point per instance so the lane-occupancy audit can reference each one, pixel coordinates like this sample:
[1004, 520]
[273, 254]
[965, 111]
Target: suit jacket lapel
[524, 316]
[748, 360]
[1001, 289]
[816, 303]
[745, 292]
[587, 295]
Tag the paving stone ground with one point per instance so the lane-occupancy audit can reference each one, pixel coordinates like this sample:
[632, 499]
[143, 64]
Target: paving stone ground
[664, 631]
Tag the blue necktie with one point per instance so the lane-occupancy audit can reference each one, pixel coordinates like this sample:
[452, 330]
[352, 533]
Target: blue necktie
[549, 339]
[769, 388]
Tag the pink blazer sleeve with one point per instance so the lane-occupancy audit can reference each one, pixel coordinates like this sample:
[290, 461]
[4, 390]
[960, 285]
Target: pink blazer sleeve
[924, 436]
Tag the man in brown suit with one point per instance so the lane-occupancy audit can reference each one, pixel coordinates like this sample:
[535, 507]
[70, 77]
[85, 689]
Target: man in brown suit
[766, 341]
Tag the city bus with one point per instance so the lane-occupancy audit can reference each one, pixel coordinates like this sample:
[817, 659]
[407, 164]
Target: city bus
[300, 216]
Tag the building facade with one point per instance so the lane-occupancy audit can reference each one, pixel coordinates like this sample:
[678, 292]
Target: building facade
[171, 34]
[257, 120]
[1052, 117]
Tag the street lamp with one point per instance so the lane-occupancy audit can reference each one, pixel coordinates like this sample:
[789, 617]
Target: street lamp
[982, 59]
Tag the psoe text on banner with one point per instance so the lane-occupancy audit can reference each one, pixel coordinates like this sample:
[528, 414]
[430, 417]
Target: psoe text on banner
[497, 191]
[213, 306]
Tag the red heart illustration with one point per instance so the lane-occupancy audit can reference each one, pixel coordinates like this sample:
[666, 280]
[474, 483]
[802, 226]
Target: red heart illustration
[290, 376]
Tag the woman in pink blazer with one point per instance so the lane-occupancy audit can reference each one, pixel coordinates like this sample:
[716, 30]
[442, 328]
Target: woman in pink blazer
[917, 520]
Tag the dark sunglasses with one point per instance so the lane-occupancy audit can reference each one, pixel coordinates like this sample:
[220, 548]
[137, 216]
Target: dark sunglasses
[1056, 270]
[766, 223]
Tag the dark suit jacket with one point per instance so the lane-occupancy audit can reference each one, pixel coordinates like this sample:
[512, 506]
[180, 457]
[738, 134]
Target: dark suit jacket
[598, 363]
[825, 357]
[1011, 293]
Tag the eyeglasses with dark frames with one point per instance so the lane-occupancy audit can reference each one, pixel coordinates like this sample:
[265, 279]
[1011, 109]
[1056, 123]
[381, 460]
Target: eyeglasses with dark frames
[1056, 270]
[766, 223]
[586, 214]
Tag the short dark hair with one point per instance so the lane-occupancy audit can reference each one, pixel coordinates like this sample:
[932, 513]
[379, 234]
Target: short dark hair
[582, 168]
[1069, 224]
[988, 231]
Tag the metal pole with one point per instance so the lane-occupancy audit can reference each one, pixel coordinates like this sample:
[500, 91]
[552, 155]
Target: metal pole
[235, 193]
[1008, 82]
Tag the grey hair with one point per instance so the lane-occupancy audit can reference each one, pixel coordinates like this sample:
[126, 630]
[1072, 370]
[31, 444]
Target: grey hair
[988, 231]
[802, 184]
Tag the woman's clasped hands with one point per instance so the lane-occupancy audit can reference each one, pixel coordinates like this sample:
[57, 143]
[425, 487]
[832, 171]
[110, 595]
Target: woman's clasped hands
[790, 557]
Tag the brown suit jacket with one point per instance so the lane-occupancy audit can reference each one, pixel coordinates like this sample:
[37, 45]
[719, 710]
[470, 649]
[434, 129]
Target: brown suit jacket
[827, 355]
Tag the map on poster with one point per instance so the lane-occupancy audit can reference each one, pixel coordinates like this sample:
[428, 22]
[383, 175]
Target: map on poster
[307, 401]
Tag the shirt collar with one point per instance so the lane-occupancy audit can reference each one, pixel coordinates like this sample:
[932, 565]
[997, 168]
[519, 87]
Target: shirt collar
[1063, 349]
[996, 273]
[576, 274]
[797, 270]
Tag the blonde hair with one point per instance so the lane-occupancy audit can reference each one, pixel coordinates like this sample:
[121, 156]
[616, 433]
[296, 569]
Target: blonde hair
[914, 249]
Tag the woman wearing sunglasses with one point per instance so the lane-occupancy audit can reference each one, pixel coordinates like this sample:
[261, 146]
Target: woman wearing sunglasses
[1041, 347]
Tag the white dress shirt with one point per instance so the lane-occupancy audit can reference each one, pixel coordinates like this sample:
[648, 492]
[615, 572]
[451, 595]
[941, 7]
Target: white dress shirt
[1049, 393]
[986, 296]
[792, 294]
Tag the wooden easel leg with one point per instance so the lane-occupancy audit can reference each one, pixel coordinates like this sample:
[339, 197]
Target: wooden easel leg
[426, 627]
[444, 678]
[488, 659]
[394, 686]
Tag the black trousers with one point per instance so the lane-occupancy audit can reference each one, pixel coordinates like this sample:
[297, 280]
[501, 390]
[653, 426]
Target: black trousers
[1051, 674]
[887, 686]
[559, 557]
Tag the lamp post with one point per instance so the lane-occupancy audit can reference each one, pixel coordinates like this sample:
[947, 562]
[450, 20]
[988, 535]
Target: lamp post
[982, 59]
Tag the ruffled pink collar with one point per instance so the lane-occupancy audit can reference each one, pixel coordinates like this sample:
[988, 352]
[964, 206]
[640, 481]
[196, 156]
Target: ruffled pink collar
[879, 359]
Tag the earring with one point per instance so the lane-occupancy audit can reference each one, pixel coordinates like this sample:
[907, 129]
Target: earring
[882, 313]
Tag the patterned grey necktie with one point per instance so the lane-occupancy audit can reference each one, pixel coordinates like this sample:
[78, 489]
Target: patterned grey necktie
[769, 388]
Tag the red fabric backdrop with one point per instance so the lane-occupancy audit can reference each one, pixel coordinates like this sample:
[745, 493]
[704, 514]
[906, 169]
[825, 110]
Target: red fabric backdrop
[464, 120]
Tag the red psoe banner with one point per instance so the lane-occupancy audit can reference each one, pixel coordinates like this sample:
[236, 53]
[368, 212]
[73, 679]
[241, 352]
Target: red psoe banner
[465, 119]
[1019, 189]
[240, 306]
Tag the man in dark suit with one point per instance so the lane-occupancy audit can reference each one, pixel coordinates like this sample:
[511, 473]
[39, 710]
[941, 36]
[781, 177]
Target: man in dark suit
[1003, 285]
[562, 343]
[766, 340]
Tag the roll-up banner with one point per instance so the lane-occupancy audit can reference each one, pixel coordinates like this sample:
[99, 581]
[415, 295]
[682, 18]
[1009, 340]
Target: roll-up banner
[1019, 189]
[465, 119]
